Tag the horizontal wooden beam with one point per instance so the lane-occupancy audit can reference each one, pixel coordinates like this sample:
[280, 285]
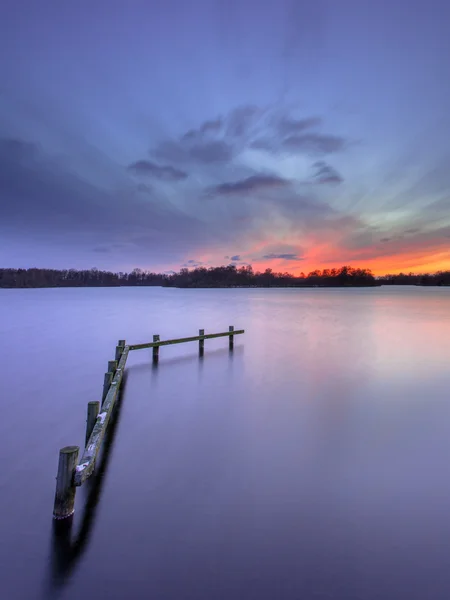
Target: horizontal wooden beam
[86, 464]
[197, 338]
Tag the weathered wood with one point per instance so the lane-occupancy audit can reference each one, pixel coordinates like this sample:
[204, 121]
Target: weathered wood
[231, 338]
[93, 408]
[119, 349]
[155, 349]
[65, 489]
[208, 336]
[201, 342]
[112, 366]
[87, 463]
[106, 383]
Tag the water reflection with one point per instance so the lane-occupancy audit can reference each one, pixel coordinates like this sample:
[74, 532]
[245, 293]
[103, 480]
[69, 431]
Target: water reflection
[67, 548]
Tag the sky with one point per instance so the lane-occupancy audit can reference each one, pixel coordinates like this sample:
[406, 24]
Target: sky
[285, 134]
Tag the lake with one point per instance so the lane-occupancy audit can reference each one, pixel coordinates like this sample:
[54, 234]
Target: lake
[311, 462]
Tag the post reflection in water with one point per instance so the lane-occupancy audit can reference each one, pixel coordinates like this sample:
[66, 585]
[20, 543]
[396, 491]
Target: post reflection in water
[68, 547]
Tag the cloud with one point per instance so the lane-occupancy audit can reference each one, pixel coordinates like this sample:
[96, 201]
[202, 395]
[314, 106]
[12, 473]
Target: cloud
[150, 169]
[213, 142]
[315, 143]
[236, 257]
[192, 264]
[44, 199]
[312, 143]
[385, 239]
[254, 183]
[273, 256]
[211, 126]
[325, 173]
[211, 152]
[288, 126]
[203, 151]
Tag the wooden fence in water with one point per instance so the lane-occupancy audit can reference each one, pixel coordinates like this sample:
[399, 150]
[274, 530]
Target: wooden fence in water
[73, 473]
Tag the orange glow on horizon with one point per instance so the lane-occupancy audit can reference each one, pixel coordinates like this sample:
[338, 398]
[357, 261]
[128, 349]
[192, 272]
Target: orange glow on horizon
[416, 261]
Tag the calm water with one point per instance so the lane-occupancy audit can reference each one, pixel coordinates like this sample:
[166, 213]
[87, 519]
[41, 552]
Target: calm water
[312, 462]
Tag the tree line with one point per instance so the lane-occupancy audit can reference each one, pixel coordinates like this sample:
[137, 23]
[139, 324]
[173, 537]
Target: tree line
[202, 277]
[225, 276]
[439, 278]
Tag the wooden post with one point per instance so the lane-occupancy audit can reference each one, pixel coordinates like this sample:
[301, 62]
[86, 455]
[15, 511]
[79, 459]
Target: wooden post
[106, 384]
[201, 343]
[231, 338]
[155, 349]
[119, 349]
[112, 366]
[65, 489]
[92, 413]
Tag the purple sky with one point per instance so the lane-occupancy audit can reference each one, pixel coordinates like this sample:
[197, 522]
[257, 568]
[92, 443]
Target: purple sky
[285, 134]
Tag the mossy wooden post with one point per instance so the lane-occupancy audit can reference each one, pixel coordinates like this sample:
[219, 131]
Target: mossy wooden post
[65, 488]
[201, 343]
[231, 338]
[155, 349]
[106, 383]
[119, 349]
[93, 409]
[112, 366]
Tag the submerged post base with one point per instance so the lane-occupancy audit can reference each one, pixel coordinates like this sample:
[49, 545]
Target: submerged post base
[65, 488]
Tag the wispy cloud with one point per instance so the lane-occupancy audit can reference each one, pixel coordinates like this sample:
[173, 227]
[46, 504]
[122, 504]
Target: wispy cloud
[151, 169]
[325, 173]
[273, 256]
[252, 184]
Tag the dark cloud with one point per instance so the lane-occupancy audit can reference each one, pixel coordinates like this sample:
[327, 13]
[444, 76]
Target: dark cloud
[40, 196]
[254, 183]
[385, 239]
[236, 257]
[192, 264]
[163, 172]
[315, 143]
[211, 152]
[287, 126]
[202, 152]
[212, 126]
[412, 230]
[299, 143]
[215, 141]
[326, 173]
[282, 257]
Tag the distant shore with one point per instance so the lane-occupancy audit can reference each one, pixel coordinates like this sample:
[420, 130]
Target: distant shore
[228, 276]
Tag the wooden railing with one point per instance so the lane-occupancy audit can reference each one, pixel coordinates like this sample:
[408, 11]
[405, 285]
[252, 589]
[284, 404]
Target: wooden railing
[70, 474]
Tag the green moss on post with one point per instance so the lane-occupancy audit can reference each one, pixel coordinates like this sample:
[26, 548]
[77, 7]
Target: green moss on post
[65, 488]
[231, 338]
[112, 366]
[106, 384]
[155, 349]
[119, 349]
[93, 409]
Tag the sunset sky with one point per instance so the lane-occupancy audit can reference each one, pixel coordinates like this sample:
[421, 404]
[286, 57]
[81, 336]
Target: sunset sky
[286, 134]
